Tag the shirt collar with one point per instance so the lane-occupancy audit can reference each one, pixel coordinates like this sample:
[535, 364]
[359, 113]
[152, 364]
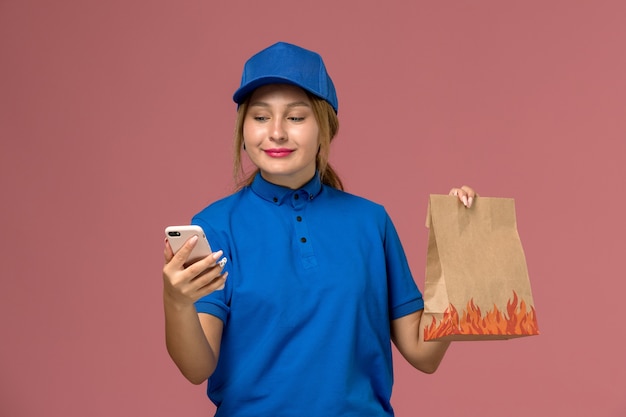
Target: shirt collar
[278, 194]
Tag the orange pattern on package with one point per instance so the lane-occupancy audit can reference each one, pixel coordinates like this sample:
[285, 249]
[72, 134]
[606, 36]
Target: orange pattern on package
[518, 321]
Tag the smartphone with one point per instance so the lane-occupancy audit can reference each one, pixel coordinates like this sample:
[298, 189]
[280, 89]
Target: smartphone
[178, 235]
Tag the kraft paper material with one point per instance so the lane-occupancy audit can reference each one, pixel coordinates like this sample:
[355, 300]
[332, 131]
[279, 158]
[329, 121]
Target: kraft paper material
[477, 285]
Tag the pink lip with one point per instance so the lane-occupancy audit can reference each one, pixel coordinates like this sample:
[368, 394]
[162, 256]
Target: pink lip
[278, 152]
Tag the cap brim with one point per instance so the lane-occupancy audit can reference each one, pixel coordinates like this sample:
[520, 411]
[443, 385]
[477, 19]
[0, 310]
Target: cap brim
[243, 92]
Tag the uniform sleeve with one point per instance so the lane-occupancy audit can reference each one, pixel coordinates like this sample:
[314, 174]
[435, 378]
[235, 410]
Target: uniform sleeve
[404, 296]
[217, 303]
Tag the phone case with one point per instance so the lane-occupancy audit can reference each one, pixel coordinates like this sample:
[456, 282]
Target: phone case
[178, 235]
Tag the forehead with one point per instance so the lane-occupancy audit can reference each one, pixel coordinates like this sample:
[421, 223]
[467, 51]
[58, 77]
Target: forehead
[279, 93]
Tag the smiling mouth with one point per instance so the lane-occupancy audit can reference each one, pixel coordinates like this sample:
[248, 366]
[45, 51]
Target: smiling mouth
[278, 153]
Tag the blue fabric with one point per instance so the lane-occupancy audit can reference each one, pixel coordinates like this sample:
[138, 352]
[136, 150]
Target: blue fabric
[284, 63]
[315, 276]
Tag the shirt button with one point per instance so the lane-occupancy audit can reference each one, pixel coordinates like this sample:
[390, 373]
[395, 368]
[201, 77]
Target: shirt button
[275, 199]
[299, 218]
[303, 239]
[296, 196]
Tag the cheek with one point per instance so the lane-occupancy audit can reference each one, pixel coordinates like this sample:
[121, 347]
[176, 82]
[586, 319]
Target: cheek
[316, 140]
[246, 133]
[309, 136]
[250, 133]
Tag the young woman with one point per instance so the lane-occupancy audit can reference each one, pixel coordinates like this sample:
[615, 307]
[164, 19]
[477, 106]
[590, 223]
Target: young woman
[300, 320]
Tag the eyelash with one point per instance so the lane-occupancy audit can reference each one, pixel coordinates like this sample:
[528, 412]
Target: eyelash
[292, 118]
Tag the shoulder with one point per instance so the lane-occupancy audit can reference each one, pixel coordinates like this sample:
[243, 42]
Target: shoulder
[354, 202]
[351, 209]
[216, 214]
[222, 206]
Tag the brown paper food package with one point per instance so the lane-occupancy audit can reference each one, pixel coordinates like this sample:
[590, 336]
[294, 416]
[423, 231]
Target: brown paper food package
[477, 285]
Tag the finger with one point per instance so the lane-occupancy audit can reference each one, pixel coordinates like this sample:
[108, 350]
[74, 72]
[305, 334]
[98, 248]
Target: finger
[168, 253]
[462, 194]
[208, 263]
[183, 253]
[469, 191]
[471, 195]
[208, 283]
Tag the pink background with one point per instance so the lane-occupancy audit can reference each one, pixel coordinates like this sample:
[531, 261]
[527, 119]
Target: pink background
[116, 120]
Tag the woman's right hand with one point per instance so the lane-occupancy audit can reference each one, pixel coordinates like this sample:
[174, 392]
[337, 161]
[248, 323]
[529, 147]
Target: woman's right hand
[184, 285]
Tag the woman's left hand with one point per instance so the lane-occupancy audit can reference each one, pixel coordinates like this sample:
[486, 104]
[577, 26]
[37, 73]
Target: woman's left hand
[465, 194]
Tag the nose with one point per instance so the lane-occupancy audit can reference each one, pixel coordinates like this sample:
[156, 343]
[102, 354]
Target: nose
[278, 132]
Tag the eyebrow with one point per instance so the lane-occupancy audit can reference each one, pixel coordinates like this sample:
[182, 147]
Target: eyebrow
[290, 105]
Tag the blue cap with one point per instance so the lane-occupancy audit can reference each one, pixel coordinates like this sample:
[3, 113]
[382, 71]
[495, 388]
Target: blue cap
[284, 63]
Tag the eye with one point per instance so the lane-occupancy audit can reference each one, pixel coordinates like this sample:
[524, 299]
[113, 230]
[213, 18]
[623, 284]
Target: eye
[296, 119]
[260, 118]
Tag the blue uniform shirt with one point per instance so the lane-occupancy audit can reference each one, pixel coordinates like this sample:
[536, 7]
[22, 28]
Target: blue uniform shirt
[315, 276]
